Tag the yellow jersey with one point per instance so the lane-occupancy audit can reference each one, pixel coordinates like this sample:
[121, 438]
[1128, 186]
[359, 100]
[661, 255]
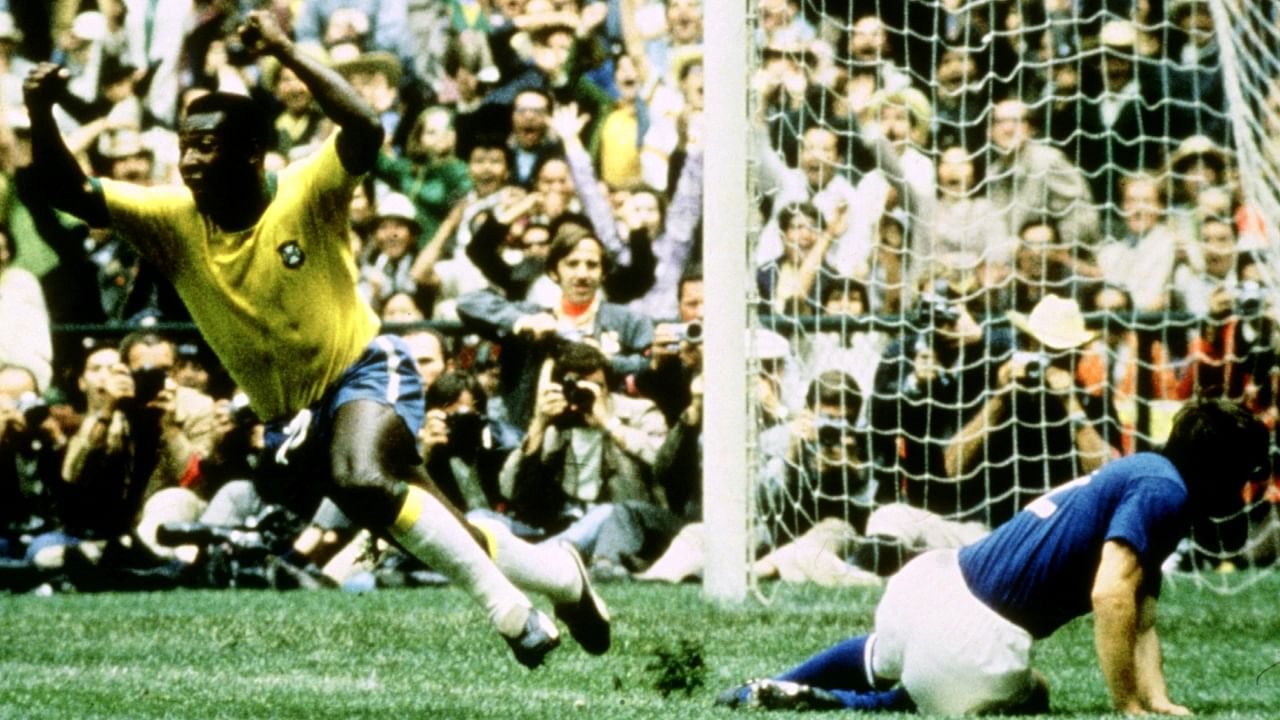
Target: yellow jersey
[276, 302]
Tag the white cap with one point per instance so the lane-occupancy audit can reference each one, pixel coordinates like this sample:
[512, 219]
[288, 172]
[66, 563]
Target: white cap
[90, 25]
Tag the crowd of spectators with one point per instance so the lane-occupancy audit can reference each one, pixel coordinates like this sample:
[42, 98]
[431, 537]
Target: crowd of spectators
[1000, 241]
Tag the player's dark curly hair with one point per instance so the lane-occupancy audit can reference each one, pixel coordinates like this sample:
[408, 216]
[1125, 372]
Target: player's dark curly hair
[1217, 446]
[243, 120]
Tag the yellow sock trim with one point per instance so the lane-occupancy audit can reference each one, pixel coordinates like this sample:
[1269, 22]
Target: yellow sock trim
[490, 542]
[410, 511]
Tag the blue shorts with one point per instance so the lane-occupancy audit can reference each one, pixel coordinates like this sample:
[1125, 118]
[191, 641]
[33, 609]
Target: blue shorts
[385, 373]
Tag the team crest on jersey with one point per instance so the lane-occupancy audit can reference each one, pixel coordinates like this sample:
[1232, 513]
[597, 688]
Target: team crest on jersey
[292, 255]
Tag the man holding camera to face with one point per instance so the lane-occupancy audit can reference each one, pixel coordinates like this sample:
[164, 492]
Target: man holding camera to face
[1036, 429]
[142, 444]
[463, 446]
[1036, 414]
[584, 471]
[31, 446]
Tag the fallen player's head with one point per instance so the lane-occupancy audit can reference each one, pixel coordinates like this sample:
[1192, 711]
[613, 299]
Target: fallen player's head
[1218, 446]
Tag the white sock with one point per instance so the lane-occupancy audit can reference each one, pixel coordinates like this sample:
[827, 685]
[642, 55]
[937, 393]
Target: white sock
[545, 568]
[428, 531]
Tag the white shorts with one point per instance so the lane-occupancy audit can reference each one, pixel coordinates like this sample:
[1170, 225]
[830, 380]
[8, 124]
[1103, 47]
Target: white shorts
[953, 654]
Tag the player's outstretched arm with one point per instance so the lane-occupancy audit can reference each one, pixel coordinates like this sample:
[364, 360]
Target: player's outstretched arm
[1150, 664]
[64, 182]
[1115, 623]
[360, 134]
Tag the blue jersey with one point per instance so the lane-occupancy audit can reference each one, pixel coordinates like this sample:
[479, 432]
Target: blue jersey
[1037, 570]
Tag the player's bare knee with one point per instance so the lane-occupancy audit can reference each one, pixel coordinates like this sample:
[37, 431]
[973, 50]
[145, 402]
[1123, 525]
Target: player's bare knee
[367, 495]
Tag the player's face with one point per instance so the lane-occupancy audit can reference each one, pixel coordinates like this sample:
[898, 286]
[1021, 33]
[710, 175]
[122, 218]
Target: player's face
[581, 271]
[209, 162]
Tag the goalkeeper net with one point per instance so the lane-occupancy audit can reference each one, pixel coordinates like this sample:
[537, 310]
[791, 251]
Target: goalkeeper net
[967, 207]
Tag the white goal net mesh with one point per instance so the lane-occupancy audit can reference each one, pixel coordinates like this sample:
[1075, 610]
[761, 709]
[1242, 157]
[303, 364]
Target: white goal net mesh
[1000, 243]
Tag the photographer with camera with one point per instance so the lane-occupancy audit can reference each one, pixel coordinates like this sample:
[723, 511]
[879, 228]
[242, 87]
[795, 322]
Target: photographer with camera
[578, 262]
[584, 472]
[1233, 354]
[1037, 415]
[143, 442]
[814, 466]
[31, 446]
[816, 489]
[930, 381]
[675, 357]
[464, 447]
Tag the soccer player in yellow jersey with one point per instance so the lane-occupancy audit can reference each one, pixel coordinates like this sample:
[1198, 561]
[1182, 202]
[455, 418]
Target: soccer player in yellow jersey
[264, 266]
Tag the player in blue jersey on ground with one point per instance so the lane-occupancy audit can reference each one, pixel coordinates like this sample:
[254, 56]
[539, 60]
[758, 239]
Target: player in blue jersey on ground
[955, 628]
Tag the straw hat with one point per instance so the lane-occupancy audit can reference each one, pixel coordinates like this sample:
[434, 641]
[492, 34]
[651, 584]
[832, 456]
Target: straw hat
[1198, 146]
[1120, 34]
[541, 16]
[380, 62]
[1056, 322]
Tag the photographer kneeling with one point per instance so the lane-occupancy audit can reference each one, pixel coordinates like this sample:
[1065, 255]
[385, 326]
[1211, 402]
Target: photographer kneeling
[584, 472]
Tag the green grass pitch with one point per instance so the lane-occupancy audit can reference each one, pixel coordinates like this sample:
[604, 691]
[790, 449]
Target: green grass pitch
[428, 654]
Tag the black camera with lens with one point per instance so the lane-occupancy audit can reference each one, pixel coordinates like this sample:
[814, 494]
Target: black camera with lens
[1033, 366]
[935, 310]
[1250, 298]
[465, 430]
[580, 397]
[832, 431]
[34, 411]
[242, 413]
[147, 384]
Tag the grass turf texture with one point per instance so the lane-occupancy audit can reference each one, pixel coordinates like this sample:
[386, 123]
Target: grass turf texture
[428, 654]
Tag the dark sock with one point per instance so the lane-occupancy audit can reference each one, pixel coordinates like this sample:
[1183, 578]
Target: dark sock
[842, 666]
